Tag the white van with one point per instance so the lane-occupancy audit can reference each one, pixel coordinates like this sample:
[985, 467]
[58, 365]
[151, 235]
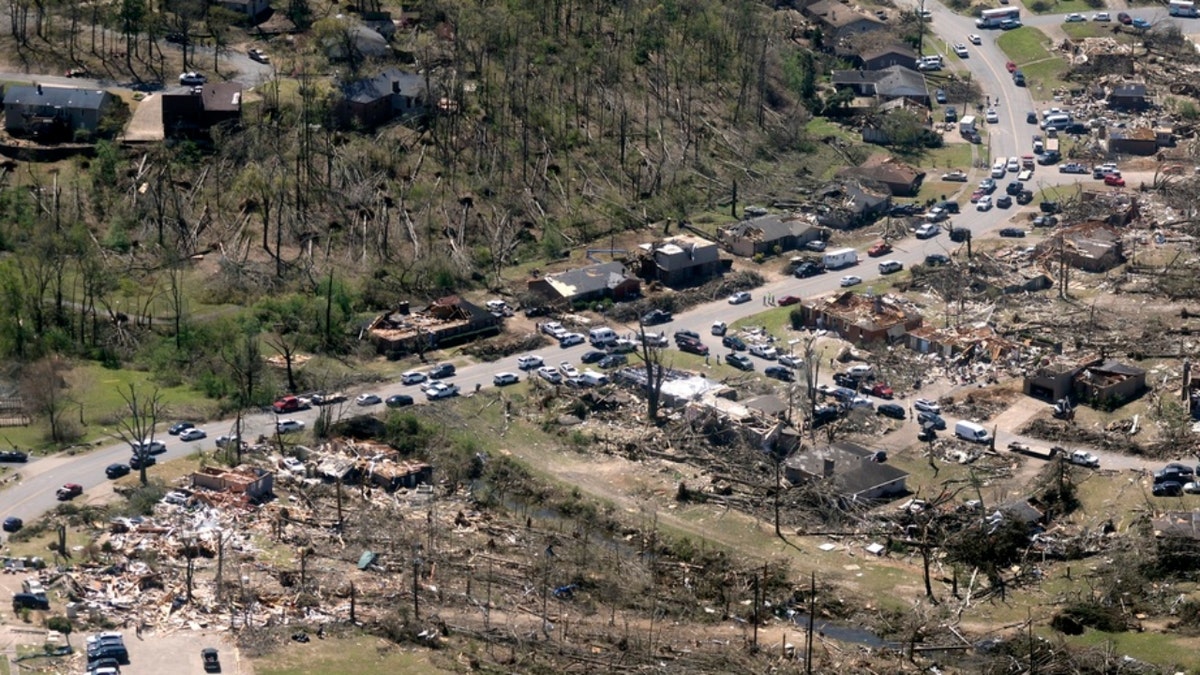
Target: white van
[1000, 167]
[602, 336]
[1014, 164]
[593, 379]
[970, 431]
[1057, 121]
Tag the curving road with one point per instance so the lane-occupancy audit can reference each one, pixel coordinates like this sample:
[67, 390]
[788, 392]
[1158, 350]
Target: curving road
[34, 493]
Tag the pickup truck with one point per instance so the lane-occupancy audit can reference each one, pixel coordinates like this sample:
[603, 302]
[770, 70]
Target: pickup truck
[1026, 449]
[68, 492]
[1082, 458]
[289, 404]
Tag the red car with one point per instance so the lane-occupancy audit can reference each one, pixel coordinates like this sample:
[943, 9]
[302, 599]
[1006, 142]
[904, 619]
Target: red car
[882, 390]
[881, 248]
[1012, 67]
[69, 491]
[1124, 18]
[1114, 180]
[788, 300]
[976, 196]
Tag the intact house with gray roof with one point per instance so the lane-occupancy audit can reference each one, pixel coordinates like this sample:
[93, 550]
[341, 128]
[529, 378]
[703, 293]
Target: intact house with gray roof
[389, 95]
[850, 468]
[53, 113]
[586, 284]
[839, 20]
[768, 235]
[885, 84]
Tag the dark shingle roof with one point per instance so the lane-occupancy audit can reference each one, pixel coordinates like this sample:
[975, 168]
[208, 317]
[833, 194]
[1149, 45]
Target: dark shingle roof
[381, 86]
[589, 279]
[55, 97]
[772, 227]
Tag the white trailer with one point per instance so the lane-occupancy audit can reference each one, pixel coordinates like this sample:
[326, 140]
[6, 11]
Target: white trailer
[839, 258]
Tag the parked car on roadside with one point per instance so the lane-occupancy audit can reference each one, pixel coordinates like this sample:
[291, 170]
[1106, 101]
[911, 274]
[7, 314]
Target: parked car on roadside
[890, 410]
[740, 361]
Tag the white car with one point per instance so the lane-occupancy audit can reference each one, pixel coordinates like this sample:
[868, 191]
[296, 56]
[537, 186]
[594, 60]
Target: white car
[992, 116]
[413, 377]
[292, 465]
[890, 266]
[568, 370]
[176, 498]
[441, 390]
[860, 370]
[764, 351]
[192, 78]
[530, 362]
[789, 361]
[259, 55]
[928, 230]
[504, 379]
[1191, 488]
[288, 426]
[150, 447]
[850, 280]
[192, 434]
[739, 298]
[719, 328]
[554, 329]
[1074, 17]
[961, 50]
[1014, 165]
[984, 204]
[975, 39]
[925, 405]
[570, 340]
[550, 375]
[860, 402]
[368, 399]
[1101, 16]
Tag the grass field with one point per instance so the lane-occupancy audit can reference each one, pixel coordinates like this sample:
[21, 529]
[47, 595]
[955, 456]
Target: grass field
[1023, 45]
[362, 655]
[1044, 77]
[1063, 7]
[96, 404]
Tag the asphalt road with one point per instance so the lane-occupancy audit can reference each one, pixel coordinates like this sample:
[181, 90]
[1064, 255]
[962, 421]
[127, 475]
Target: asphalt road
[34, 493]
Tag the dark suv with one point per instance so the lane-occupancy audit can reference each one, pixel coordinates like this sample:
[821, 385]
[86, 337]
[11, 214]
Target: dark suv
[30, 601]
[442, 370]
[116, 470]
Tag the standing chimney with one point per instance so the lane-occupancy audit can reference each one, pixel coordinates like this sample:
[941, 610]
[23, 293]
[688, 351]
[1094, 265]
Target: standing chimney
[39, 88]
[395, 86]
[827, 471]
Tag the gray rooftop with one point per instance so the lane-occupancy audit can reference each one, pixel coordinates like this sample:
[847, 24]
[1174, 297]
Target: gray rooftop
[384, 85]
[54, 97]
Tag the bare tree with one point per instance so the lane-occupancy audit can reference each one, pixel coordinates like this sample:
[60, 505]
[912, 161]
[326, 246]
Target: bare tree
[655, 374]
[245, 361]
[137, 429]
[45, 392]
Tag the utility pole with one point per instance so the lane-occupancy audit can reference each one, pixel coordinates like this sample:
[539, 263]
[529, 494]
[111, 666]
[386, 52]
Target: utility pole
[416, 563]
[755, 643]
[812, 611]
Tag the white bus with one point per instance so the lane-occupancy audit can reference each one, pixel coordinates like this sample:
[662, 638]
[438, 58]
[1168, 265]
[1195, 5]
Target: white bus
[1182, 8]
[992, 18]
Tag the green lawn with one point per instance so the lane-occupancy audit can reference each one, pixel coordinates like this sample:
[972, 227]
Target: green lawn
[1044, 77]
[362, 655]
[96, 403]
[1024, 45]
[1062, 7]
[949, 156]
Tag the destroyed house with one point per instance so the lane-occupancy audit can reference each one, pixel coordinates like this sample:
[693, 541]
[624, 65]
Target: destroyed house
[850, 203]
[1138, 141]
[391, 476]
[586, 284]
[1089, 380]
[195, 110]
[1109, 383]
[901, 179]
[1117, 208]
[768, 235]
[962, 343]
[682, 260]
[1093, 246]
[445, 322]
[850, 468]
[246, 482]
[862, 319]
[1184, 524]
[1129, 96]
[53, 113]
